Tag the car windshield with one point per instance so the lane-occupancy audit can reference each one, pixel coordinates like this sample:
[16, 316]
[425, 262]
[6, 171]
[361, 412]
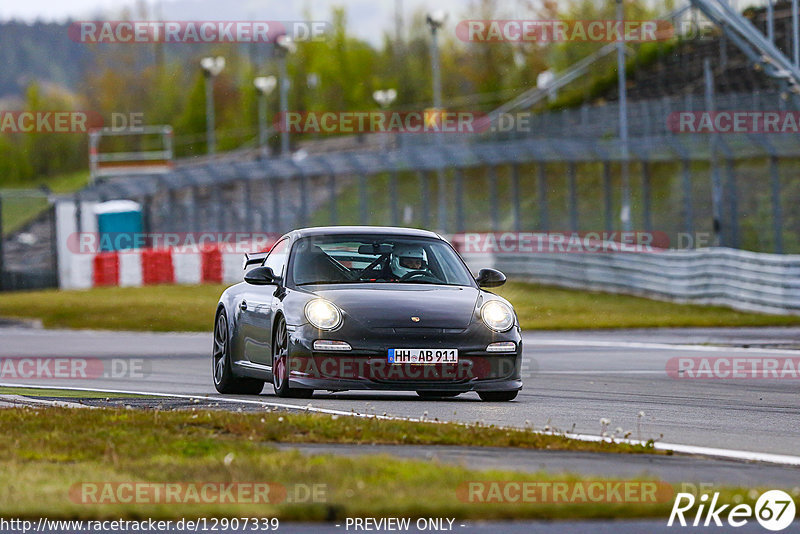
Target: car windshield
[380, 259]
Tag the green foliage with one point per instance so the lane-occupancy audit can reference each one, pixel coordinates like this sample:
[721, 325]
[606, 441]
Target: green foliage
[164, 82]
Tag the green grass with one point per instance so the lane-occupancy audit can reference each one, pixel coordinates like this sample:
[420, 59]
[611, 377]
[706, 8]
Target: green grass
[165, 308]
[52, 451]
[191, 308]
[20, 209]
[545, 308]
[60, 183]
[67, 393]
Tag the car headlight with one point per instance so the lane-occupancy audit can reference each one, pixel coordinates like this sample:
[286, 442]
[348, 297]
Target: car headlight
[497, 315]
[323, 314]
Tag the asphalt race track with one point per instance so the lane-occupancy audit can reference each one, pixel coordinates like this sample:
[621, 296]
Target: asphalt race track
[572, 380]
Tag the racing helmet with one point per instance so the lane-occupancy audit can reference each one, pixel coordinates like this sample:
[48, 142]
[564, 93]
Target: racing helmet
[408, 258]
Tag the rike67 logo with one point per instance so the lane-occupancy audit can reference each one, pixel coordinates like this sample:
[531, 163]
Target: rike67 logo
[774, 510]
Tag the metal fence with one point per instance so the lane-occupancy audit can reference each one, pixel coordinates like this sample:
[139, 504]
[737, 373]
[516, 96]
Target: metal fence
[27, 240]
[738, 279]
[523, 183]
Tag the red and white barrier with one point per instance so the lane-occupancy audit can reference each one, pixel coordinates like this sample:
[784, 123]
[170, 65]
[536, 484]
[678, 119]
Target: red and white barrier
[182, 258]
[142, 267]
[213, 264]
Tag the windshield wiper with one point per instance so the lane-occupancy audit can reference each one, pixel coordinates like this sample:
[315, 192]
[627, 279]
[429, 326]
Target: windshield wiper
[321, 282]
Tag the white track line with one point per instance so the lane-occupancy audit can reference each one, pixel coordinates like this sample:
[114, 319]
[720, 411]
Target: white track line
[647, 345]
[748, 456]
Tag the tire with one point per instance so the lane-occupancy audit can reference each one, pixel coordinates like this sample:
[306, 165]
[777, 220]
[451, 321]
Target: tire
[437, 394]
[221, 372]
[280, 367]
[498, 396]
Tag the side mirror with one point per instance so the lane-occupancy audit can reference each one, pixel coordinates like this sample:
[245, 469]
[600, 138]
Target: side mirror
[490, 278]
[261, 276]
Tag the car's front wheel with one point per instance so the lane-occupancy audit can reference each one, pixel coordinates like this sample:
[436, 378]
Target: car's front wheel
[280, 364]
[498, 396]
[224, 379]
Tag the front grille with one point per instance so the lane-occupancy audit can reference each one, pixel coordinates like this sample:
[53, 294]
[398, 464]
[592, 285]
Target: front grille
[418, 331]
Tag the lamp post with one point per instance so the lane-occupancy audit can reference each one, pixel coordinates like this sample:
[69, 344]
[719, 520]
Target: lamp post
[286, 46]
[264, 85]
[625, 211]
[436, 20]
[384, 98]
[211, 66]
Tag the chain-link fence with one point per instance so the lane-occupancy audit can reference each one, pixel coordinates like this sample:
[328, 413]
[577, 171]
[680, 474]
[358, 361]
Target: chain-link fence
[27, 243]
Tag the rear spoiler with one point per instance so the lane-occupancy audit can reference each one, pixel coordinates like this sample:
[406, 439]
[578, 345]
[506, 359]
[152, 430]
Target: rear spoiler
[253, 258]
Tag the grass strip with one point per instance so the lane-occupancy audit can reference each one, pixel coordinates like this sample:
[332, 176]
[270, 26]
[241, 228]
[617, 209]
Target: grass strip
[192, 307]
[52, 453]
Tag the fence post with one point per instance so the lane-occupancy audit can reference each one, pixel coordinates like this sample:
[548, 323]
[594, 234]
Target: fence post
[688, 211]
[544, 216]
[219, 209]
[78, 214]
[608, 203]
[53, 246]
[394, 207]
[573, 197]
[425, 193]
[648, 220]
[493, 198]
[249, 225]
[332, 198]
[362, 198]
[172, 207]
[733, 205]
[2, 266]
[193, 209]
[515, 194]
[276, 204]
[303, 215]
[459, 186]
[716, 183]
[147, 222]
[777, 215]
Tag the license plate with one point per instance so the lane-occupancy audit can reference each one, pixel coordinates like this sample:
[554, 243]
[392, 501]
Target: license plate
[423, 356]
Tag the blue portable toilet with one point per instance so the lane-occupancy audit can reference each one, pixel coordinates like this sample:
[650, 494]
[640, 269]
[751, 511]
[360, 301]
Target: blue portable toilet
[119, 225]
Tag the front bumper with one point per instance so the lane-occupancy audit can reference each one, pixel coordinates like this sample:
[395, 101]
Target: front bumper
[366, 366]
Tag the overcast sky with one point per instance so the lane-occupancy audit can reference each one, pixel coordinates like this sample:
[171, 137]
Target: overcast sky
[367, 19]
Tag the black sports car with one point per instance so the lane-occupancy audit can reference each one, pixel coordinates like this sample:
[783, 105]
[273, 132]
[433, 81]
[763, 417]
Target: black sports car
[343, 308]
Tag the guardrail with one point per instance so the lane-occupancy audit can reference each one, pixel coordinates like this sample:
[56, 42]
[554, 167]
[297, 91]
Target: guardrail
[743, 280]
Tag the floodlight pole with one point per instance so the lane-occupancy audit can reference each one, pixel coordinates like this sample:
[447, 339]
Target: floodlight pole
[437, 104]
[284, 98]
[211, 141]
[625, 211]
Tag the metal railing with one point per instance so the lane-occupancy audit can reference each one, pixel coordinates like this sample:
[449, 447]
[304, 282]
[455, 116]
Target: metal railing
[750, 281]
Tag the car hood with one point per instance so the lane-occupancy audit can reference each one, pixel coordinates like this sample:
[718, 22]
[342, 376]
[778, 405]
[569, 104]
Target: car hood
[382, 306]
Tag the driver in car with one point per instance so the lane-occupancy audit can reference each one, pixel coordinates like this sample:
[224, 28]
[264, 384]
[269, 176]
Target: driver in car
[407, 259]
